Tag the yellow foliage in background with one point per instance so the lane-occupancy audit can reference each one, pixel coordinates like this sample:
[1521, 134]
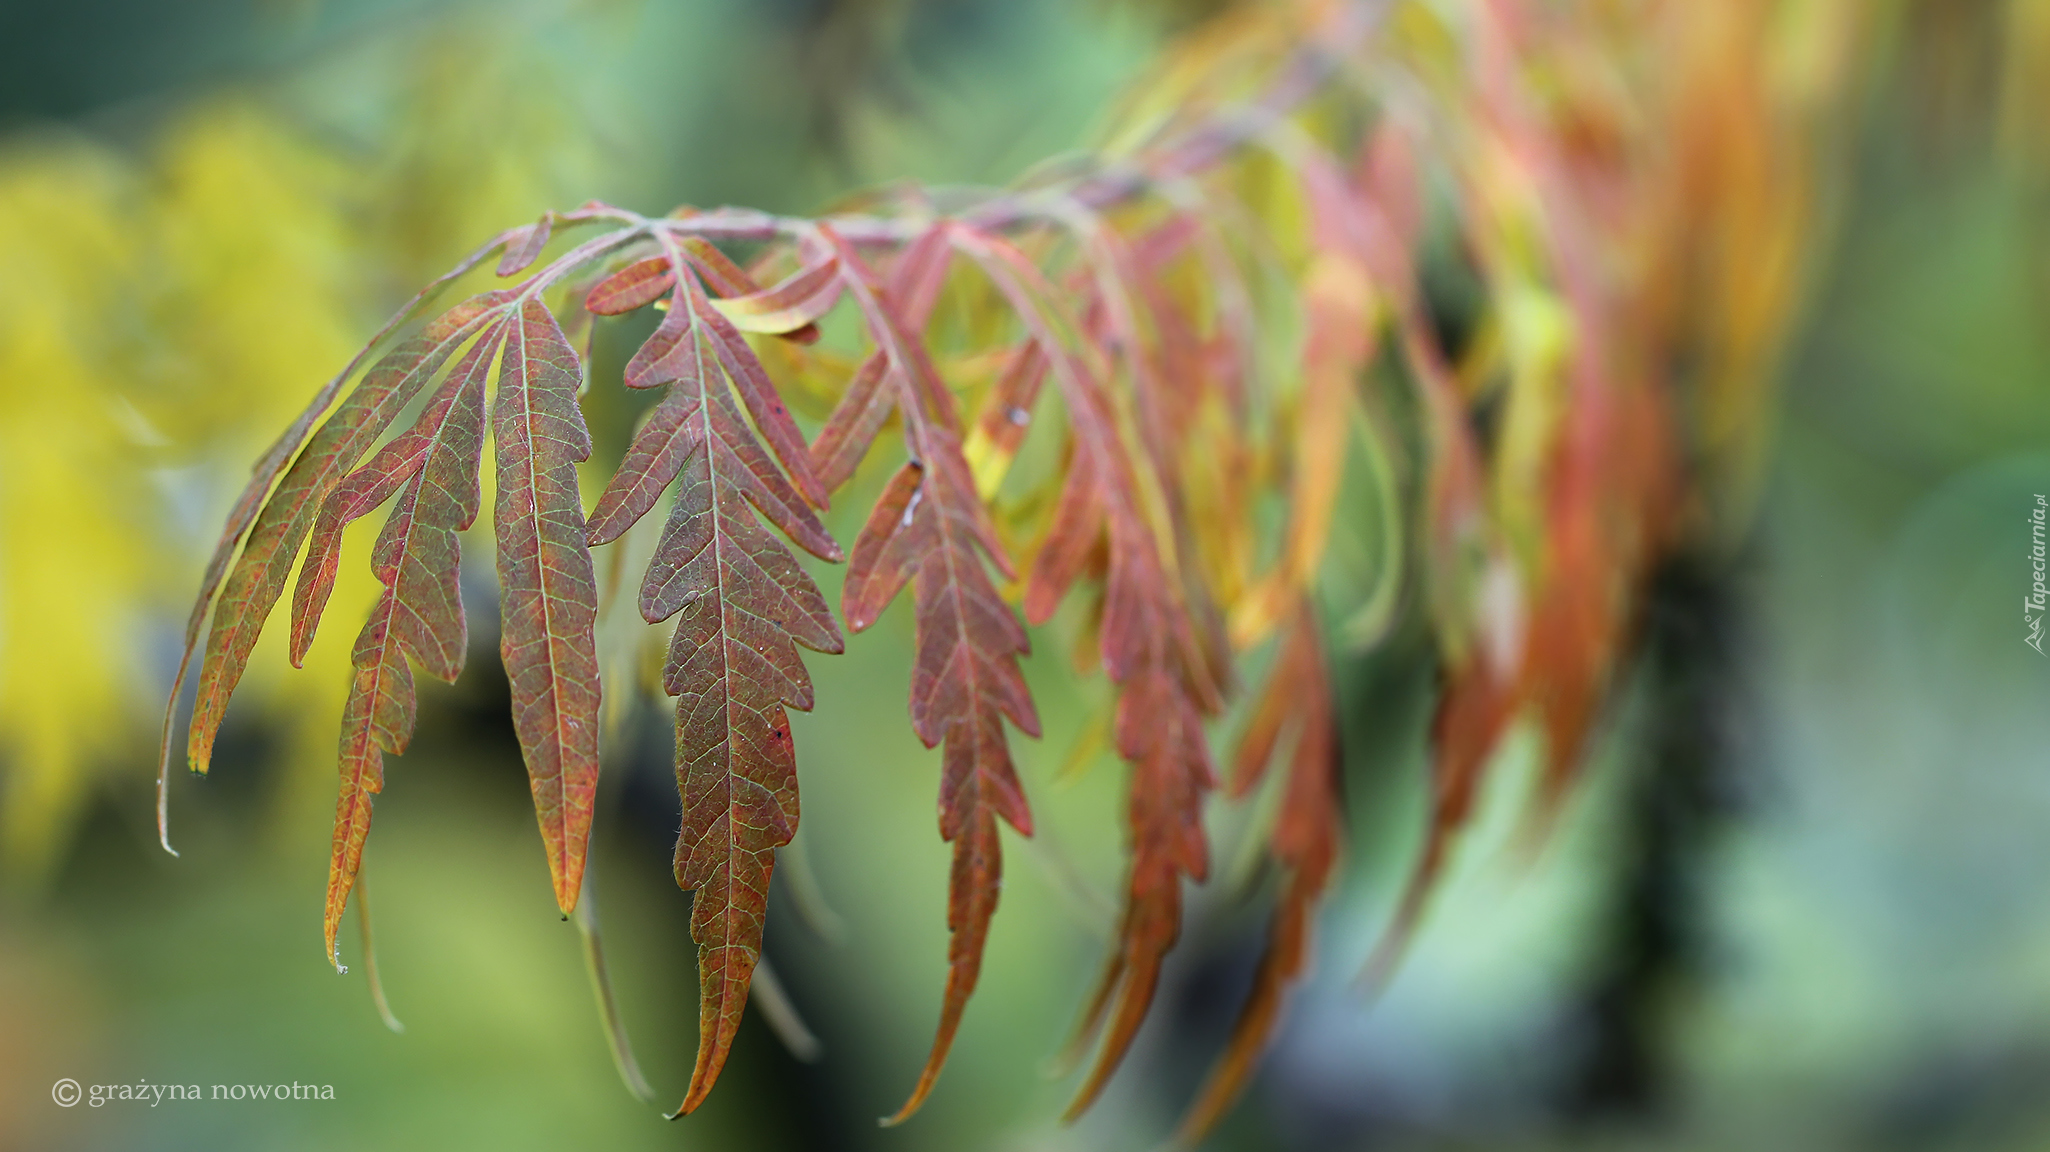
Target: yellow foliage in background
[73, 555]
[165, 309]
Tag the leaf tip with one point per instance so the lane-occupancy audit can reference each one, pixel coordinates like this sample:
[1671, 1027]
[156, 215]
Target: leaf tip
[700, 1087]
[918, 1095]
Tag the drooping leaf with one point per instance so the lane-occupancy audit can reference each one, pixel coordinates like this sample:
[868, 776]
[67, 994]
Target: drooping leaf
[1476, 589]
[1295, 707]
[930, 526]
[1149, 650]
[1610, 512]
[252, 501]
[733, 663]
[420, 614]
[548, 598]
[852, 428]
[1127, 316]
[1477, 701]
[1340, 315]
[284, 519]
[752, 382]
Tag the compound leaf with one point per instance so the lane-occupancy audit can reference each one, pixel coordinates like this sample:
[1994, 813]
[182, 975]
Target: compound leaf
[931, 527]
[745, 605]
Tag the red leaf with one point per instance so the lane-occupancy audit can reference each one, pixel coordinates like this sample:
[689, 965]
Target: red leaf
[1149, 649]
[667, 354]
[653, 459]
[637, 284]
[973, 885]
[420, 615]
[725, 278]
[763, 403]
[1304, 843]
[733, 663]
[255, 497]
[673, 428]
[259, 574]
[1480, 697]
[1608, 513]
[931, 526]
[525, 245]
[870, 396]
[731, 282]
[1076, 534]
[548, 605]
[803, 297]
[1115, 321]
[851, 430]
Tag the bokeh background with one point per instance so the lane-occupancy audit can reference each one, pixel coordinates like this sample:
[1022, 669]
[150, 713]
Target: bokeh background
[1813, 912]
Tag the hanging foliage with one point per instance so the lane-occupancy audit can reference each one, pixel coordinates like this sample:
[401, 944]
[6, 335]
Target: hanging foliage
[1207, 325]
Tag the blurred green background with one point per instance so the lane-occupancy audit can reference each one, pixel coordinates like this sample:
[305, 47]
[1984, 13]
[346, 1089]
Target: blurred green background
[1820, 918]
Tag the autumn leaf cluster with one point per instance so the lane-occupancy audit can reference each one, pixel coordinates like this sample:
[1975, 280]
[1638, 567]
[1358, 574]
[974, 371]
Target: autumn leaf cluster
[1201, 329]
